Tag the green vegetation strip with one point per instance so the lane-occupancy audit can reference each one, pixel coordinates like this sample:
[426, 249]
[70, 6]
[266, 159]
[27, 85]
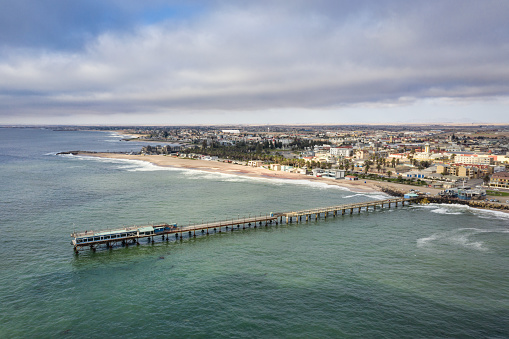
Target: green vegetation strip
[497, 193]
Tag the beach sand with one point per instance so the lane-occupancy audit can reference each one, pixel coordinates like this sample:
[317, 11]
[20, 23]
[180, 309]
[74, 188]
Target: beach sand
[359, 186]
[259, 172]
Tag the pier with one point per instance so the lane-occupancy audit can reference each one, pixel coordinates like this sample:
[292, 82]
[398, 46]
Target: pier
[132, 235]
[348, 208]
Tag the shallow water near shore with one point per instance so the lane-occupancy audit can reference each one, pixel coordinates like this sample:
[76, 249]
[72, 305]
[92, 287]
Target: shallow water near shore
[418, 271]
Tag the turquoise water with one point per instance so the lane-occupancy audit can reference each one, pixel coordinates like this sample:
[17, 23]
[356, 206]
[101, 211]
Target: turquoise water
[420, 271]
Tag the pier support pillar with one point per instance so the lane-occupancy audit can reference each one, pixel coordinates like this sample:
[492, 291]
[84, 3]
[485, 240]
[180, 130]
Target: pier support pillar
[335, 212]
[342, 212]
[351, 210]
[359, 210]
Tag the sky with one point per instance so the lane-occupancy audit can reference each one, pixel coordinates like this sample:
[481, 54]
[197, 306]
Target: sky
[155, 62]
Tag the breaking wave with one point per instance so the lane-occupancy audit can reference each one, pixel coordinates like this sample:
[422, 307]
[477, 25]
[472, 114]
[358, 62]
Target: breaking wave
[132, 165]
[459, 237]
[456, 209]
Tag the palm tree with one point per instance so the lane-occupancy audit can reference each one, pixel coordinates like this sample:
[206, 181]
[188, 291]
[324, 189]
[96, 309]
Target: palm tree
[486, 179]
[389, 173]
[366, 166]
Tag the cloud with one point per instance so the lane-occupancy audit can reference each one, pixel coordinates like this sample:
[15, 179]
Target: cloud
[261, 56]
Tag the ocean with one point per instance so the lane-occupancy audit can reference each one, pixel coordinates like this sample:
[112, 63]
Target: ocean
[412, 272]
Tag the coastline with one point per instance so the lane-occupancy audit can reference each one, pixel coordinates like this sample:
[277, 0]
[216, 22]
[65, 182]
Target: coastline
[358, 186]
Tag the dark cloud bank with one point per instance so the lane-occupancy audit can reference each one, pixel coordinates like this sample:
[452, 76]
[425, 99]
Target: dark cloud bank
[90, 58]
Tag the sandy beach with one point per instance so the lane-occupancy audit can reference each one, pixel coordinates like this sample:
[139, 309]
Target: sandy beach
[229, 168]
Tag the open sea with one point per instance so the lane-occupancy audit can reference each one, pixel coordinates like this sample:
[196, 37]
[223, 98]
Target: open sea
[429, 271]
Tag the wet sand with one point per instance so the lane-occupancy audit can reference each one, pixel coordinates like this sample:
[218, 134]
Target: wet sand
[259, 172]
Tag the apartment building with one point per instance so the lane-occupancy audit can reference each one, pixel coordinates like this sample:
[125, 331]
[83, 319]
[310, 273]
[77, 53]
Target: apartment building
[500, 179]
[474, 159]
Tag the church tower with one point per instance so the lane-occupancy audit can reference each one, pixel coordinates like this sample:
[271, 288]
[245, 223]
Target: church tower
[426, 148]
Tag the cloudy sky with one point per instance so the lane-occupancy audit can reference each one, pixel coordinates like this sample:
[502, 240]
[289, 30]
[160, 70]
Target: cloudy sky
[263, 62]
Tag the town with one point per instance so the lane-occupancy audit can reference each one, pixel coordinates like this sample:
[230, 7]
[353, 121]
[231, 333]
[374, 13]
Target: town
[444, 157]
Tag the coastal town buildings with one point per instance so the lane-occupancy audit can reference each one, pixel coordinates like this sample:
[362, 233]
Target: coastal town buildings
[500, 180]
[474, 159]
[345, 151]
[431, 153]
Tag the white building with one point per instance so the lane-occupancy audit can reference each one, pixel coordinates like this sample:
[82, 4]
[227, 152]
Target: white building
[473, 159]
[341, 151]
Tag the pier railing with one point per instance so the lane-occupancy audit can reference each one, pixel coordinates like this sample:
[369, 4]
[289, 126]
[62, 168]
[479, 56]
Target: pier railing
[132, 234]
[329, 209]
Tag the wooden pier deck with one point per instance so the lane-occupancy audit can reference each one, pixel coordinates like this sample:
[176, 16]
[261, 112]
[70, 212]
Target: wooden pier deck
[131, 235]
[317, 212]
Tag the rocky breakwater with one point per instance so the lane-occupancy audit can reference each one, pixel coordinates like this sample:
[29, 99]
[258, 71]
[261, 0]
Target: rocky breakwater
[450, 200]
[472, 203]
[391, 191]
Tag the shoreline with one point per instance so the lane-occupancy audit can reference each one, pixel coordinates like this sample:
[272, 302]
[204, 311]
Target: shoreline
[358, 186]
[233, 169]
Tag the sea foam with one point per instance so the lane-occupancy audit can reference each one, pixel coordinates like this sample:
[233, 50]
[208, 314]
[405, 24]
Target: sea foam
[458, 237]
[133, 165]
[457, 209]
